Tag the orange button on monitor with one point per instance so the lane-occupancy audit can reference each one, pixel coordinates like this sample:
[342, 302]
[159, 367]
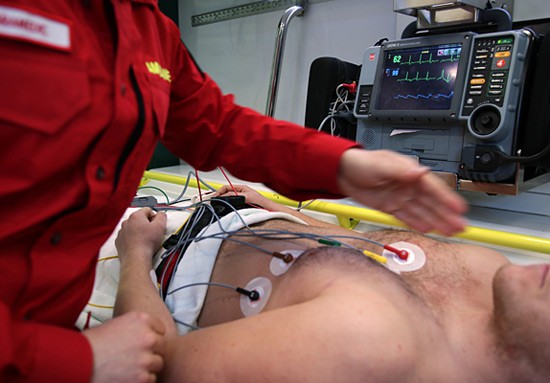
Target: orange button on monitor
[477, 81]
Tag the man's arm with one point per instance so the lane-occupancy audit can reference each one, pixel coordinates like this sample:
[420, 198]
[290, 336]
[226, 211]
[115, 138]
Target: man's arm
[328, 339]
[138, 240]
[256, 199]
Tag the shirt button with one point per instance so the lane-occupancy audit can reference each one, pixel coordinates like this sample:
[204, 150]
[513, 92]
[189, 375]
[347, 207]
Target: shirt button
[100, 173]
[55, 238]
[123, 89]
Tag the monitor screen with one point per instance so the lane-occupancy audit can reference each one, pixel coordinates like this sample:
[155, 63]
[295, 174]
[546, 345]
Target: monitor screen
[418, 78]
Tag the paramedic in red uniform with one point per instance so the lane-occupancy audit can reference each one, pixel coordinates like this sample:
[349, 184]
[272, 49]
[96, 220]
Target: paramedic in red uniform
[87, 88]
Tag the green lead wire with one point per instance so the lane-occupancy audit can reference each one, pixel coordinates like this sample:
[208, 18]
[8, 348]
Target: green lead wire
[328, 242]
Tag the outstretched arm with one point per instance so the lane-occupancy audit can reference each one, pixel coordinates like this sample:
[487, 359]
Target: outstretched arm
[137, 242]
[256, 199]
[397, 185]
[334, 338]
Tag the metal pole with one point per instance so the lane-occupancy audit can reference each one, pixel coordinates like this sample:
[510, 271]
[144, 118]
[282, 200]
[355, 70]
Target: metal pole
[289, 14]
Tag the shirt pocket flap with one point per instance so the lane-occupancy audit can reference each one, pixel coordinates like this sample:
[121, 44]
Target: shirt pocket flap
[40, 96]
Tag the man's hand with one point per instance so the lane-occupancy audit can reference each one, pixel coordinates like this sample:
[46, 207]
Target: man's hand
[251, 196]
[397, 185]
[141, 236]
[128, 348]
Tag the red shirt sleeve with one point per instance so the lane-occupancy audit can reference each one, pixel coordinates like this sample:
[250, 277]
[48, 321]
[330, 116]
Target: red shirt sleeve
[31, 352]
[207, 129]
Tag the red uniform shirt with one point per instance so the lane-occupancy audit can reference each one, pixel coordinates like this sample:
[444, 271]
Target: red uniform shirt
[85, 93]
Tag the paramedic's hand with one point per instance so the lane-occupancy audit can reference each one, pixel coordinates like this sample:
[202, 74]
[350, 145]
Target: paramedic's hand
[141, 236]
[128, 348]
[397, 185]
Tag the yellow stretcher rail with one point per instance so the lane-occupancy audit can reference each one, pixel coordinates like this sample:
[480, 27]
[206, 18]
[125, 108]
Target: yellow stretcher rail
[478, 234]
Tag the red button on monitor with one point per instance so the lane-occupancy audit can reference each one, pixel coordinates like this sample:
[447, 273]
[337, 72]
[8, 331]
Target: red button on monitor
[501, 63]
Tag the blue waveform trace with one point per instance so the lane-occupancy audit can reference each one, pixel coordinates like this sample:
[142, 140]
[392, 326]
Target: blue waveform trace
[427, 97]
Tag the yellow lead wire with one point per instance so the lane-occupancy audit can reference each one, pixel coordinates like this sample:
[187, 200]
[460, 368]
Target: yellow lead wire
[376, 257]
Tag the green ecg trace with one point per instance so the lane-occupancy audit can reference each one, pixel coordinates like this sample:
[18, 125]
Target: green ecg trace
[430, 60]
[442, 77]
[451, 59]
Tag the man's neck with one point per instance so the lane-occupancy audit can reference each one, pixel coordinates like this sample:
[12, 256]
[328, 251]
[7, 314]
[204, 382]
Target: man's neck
[516, 365]
[474, 346]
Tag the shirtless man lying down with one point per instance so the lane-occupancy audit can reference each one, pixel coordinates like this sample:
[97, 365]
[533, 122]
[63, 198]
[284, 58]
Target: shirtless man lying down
[466, 315]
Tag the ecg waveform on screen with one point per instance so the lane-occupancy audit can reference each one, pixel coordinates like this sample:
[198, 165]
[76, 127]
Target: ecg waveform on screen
[423, 60]
[424, 96]
[442, 77]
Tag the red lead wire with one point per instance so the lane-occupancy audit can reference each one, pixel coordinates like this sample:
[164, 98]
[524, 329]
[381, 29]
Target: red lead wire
[198, 184]
[402, 254]
[228, 180]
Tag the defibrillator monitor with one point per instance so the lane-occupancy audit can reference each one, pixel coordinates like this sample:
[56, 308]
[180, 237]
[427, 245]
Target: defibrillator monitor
[452, 101]
[420, 78]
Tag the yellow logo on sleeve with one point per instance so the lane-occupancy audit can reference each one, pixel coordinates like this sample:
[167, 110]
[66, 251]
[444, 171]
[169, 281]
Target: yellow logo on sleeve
[155, 68]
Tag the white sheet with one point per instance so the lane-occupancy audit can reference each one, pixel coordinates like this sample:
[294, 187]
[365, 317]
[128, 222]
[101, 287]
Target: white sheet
[196, 266]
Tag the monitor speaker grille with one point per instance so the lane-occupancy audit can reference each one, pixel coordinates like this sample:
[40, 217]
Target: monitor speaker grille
[368, 136]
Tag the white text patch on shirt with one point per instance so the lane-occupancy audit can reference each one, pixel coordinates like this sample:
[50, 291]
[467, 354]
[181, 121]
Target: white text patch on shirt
[24, 25]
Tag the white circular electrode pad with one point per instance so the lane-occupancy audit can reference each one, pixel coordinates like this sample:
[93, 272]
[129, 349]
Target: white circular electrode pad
[415, 260]
[278, 267]
[263, 286]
